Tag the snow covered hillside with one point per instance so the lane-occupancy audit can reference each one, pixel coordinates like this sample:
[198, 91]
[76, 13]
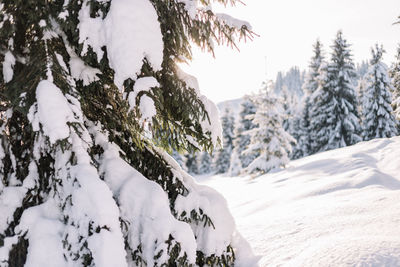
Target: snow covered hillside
[337, 208]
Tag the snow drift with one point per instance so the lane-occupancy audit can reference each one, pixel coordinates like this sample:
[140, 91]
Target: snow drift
[337, 208]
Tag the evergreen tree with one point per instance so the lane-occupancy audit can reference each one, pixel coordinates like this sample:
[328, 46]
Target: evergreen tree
[360, 93]
[279, 83]
[297, 132]
[362, 69]
[335, 118]
[303, 147]
[178, 158]
[378, 120]
[269, 140]
[321, 112]
[223, 157]
[239, 160]
[395, 75]
[191, 163]
[289, 102]
[91, 98]
[312, 79]
[292, 80]
[205, 163]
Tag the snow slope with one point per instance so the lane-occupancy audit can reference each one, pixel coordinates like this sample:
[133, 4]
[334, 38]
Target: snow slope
[337, 208]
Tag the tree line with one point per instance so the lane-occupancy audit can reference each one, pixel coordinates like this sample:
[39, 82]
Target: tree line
[335, 104]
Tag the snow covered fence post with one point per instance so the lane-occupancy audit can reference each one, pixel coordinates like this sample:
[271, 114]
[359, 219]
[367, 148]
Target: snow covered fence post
[91, 98]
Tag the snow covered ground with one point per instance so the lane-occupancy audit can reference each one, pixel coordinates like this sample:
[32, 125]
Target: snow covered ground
[337, 208]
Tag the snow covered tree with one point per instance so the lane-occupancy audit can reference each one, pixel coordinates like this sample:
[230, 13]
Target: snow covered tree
[223, 156]
[279, 82]
[91, 100]
[362, 69]
[292, 80]
[303, 146]
[205, 165]
[378, 120]
[321, 112]
[312, 79]
[297, 132]
[335, 118]
[289, 87]
[239, 160]
[178, 158]
[395, 75]
[191, 163]
[290, 109]
[360, 89]
[269, 139]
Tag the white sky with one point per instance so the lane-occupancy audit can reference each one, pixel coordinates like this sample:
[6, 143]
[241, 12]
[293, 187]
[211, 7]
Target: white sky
[287, 30]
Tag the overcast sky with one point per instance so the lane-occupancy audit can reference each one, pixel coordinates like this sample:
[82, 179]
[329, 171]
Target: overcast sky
[287, 30]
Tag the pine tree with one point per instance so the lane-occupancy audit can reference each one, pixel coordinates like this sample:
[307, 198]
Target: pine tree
[205, 163]
[312, 79]
[321, 112]
[362, 69]
[297, 132]
[239, 160]
[294, 81]
[279, 83]
[395, 75]
[178, 158]
[269, 140]
[335, 119]
[191, 163]
[360, 89]
[289, 102]
[378, 120]
[92, 97]
[303, 147]
[223, 157]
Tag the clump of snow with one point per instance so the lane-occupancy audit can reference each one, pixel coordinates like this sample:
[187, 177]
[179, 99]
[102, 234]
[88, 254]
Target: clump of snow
[81, 71]
[147, 108]
[52, 112]
[141, 85]
[8, 242]
[42, 23]
[213, 125]
[60, 61]
[43, 224]
[232, 22]
[191, 7]
[211, 239]
[11, 197]
[64, 14]
[91, 31]
[8, 66]
[132, 33]
[337, 208]
[144, 206]
[96, 204]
